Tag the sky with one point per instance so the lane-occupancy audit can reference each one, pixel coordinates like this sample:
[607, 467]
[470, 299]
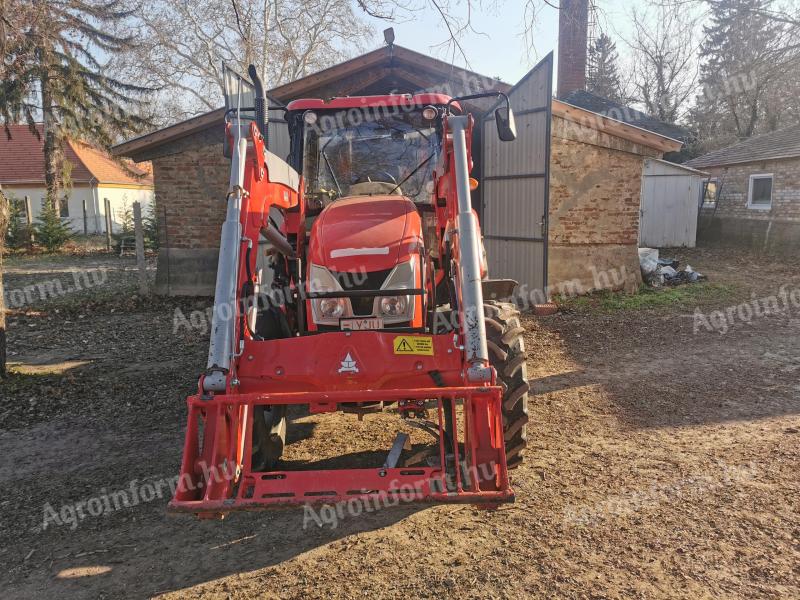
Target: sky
[499, 47]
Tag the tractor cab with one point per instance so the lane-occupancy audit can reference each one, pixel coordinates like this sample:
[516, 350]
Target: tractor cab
[367, 146]
[369, 171]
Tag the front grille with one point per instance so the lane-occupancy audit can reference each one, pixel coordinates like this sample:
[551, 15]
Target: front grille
[362, 307]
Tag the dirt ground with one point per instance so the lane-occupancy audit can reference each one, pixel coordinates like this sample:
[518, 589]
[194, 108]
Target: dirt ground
[664, 459]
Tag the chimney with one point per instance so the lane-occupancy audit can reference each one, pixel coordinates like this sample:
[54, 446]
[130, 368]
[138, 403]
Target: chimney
[573, 33]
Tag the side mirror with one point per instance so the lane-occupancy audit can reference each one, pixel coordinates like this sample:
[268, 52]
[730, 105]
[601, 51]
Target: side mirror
[506, 127]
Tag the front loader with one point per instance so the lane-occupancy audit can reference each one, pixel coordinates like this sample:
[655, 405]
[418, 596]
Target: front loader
[371, 296]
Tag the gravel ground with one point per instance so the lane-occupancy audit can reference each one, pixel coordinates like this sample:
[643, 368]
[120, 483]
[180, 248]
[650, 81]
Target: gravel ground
[663, 461]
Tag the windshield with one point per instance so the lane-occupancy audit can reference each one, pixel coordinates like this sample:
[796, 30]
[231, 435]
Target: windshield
[348, 154]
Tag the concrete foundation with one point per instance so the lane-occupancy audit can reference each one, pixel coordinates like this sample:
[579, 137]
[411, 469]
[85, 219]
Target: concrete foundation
[577, 270]
[758, 235]
[186, 272]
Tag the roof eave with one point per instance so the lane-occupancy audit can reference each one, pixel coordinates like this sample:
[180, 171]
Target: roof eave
[728, 163]
[620, 129]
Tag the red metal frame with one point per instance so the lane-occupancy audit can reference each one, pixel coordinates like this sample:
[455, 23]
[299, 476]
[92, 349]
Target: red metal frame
[212, 485]
[216, 471]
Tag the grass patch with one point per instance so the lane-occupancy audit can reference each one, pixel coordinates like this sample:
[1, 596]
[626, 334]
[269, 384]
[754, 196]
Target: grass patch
[681, 297]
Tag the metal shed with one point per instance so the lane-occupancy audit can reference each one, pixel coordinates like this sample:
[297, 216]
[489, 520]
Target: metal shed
[669, 204]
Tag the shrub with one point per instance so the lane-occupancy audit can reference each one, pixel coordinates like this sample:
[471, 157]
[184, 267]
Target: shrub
[18, 234]
[150, 226]
[51, 231]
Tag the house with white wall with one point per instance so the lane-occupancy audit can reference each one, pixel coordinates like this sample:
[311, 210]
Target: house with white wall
[93, 176]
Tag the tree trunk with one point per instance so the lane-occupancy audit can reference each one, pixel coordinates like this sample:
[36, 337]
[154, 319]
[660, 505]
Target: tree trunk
[52, 145]
[4, 215]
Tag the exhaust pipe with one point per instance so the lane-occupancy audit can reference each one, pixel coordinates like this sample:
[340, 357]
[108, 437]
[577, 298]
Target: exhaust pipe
[261, 100]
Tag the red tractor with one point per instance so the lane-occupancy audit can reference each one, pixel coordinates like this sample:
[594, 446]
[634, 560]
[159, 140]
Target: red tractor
[375, 302]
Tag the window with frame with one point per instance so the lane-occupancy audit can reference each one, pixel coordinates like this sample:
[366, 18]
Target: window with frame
[710, 191]
[759, 196]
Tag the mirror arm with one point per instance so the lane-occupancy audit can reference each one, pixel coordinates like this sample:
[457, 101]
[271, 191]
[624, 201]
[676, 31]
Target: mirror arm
[481, 95]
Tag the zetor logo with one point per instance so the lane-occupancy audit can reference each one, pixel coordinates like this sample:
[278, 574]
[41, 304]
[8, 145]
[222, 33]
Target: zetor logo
[348, 365]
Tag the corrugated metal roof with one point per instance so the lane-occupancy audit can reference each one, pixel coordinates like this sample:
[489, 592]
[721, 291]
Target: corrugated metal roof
[22, 161]
[778, 144]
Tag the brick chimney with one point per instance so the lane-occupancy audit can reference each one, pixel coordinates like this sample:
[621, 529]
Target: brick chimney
[573, 33]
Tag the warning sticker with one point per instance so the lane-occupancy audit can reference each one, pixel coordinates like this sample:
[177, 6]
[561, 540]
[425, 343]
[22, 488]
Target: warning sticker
[420, 345]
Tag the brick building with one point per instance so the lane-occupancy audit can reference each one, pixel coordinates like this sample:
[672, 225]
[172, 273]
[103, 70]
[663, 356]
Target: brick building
[595, 185]
[753, 194]
[595, 167]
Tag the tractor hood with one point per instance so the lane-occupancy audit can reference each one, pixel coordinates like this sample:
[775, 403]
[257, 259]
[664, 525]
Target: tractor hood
[366, 233]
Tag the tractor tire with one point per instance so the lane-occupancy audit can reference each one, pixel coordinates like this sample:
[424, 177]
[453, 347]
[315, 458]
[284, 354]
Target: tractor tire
[269, 436]
[269, 422]
[504, 337]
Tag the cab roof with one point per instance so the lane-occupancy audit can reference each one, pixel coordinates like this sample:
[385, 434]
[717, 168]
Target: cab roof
[369, 101]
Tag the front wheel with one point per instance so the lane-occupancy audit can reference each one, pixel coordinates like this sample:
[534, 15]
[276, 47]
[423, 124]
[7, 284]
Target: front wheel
[269, 436]
[504, 338]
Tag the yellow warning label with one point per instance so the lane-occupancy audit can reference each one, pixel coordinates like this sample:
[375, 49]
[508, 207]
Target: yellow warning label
[421, 345]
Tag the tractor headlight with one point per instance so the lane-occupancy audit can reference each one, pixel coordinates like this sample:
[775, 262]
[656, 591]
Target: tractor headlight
[326, 311]
[331, 308]
[399, 308]
[394, 306]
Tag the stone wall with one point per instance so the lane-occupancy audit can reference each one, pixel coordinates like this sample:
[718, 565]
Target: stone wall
[595, 186]
[733, 223]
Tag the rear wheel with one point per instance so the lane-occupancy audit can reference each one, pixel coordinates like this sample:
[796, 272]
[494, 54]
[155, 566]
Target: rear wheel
[504, 337]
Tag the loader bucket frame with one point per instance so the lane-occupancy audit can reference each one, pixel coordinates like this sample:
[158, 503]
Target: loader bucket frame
[472, 470]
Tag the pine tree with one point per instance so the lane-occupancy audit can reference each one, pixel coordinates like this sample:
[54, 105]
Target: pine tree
[746, 55]
[602, 76]
[17, 234]
[125, 215]
[52, 71]
[51, 231]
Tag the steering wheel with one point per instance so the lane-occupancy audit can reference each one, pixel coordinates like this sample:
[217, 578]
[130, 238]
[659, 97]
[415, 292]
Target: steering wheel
[390, 176]
[367, 179]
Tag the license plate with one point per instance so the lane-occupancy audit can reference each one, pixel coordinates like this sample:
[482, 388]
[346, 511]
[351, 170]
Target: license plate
[361, 324]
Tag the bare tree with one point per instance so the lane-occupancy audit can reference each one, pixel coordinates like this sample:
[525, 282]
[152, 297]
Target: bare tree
[665, 69]
[182, 45]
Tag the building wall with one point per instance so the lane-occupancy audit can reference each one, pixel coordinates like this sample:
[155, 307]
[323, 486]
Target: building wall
[733, 223]
[191, 179]
[122, 200]
[120, 197]
[595, 186]
[670, 198]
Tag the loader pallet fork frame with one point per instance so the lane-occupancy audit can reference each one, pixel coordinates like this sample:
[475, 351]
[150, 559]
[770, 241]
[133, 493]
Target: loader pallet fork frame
[477, 475]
